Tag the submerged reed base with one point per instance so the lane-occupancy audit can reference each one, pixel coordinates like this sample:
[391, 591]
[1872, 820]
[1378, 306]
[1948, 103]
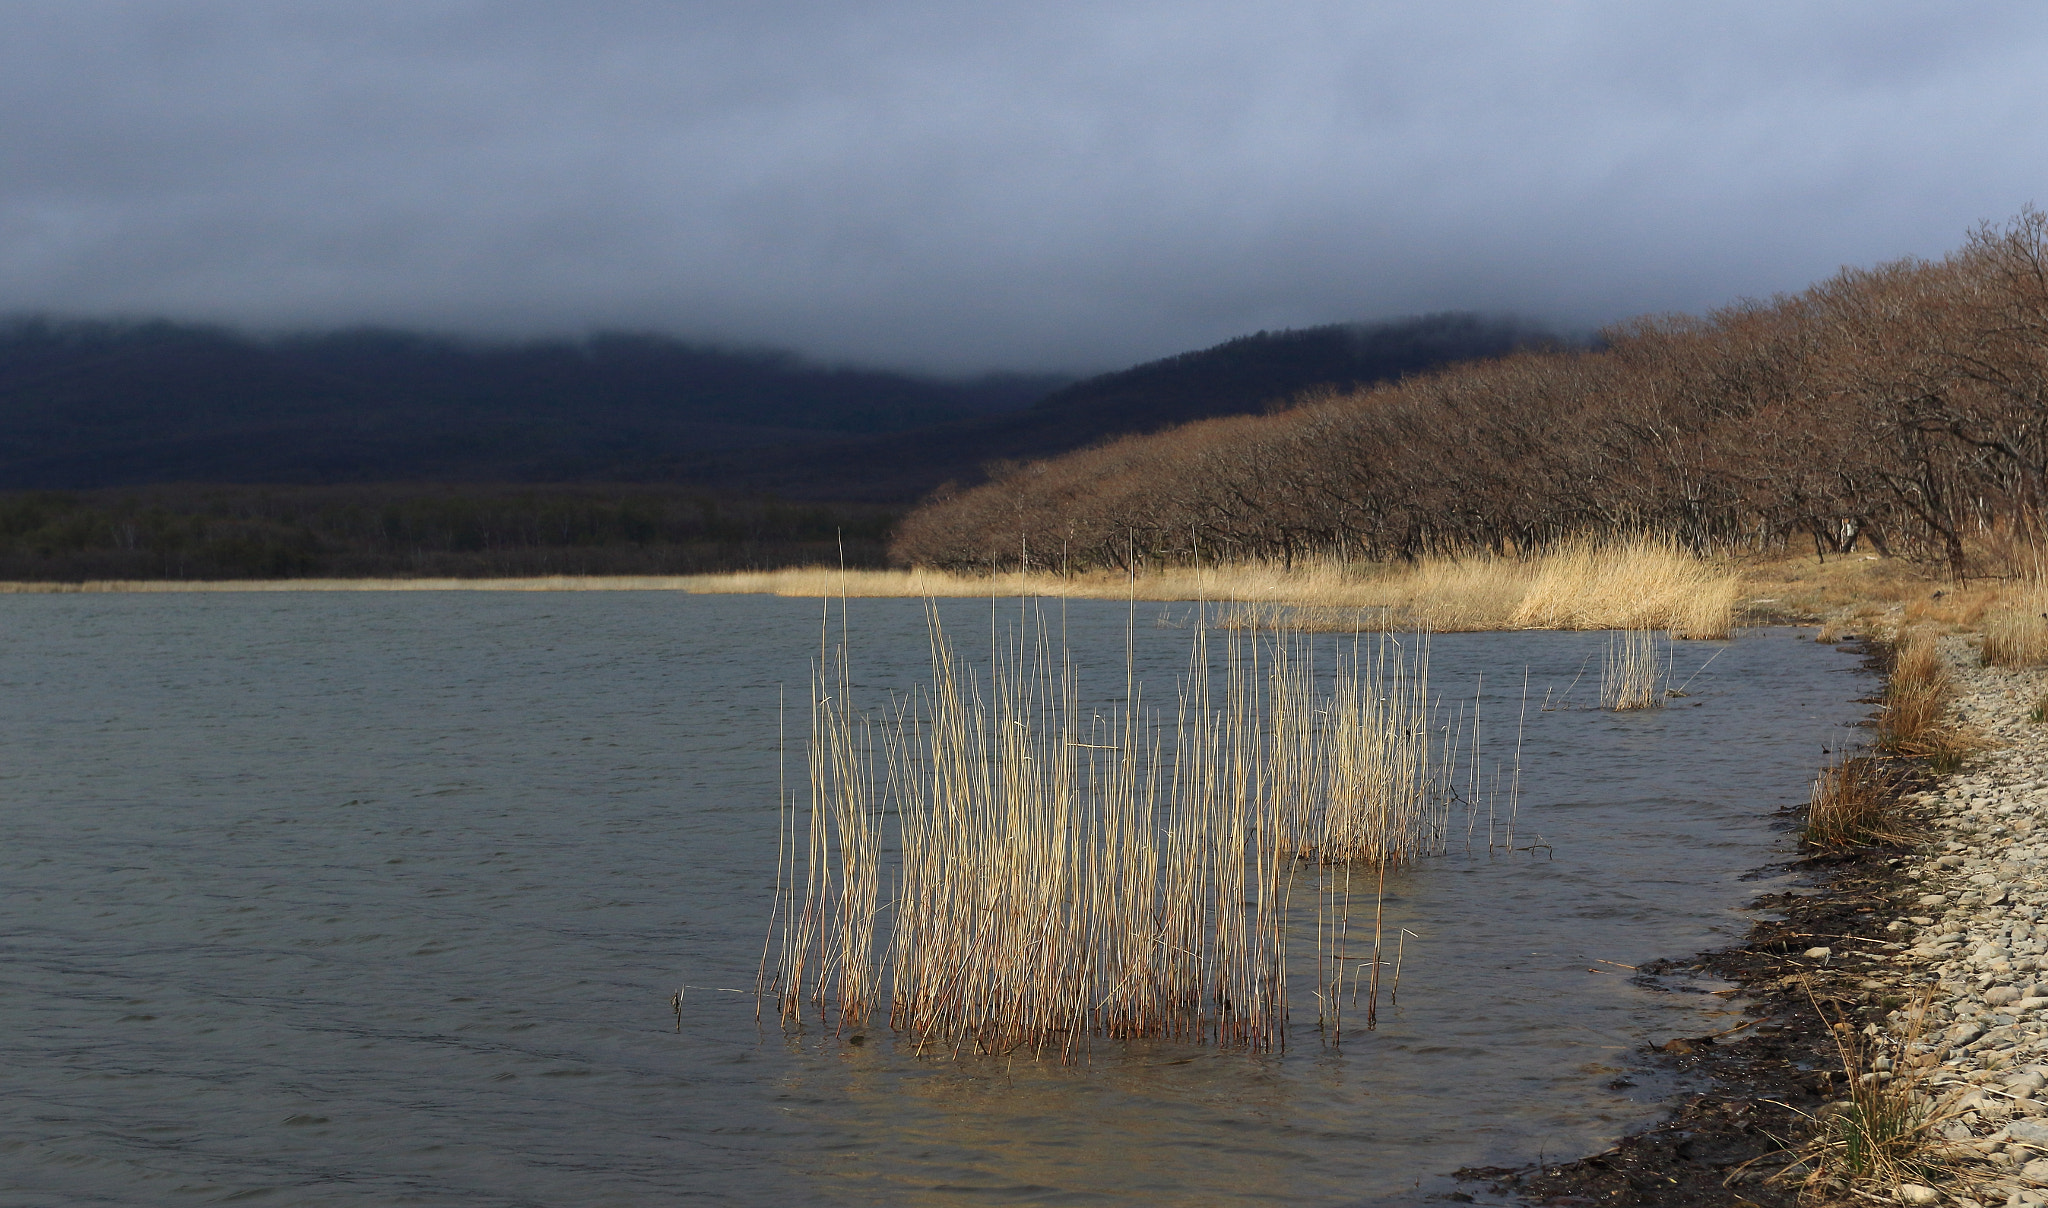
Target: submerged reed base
[1062, 874]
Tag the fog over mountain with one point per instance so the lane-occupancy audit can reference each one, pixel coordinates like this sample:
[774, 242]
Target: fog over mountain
[955, 188]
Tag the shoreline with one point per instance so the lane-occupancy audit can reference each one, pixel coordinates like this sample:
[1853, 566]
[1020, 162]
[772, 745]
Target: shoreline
[1937, 920]
[1640, 584]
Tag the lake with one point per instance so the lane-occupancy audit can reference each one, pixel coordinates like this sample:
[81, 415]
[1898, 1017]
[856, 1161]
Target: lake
[380, 898]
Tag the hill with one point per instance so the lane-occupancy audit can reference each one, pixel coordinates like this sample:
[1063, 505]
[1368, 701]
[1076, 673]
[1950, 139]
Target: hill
[88, 405]
[1901, 408]
[1252, 374]
[92, 404]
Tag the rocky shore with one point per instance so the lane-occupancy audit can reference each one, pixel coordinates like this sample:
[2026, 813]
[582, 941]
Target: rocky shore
[1935, 952]
[1978, 935]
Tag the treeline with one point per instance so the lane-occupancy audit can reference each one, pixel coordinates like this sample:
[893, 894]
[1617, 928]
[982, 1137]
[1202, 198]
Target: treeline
[1904, 406]
[416, 531]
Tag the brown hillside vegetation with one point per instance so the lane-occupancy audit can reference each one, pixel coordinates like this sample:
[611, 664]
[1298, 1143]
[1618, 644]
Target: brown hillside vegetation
[1903, 407]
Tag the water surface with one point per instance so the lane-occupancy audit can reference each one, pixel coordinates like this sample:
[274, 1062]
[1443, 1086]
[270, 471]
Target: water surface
[361, 898]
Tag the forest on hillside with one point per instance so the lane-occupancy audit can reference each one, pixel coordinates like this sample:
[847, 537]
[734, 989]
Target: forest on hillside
[87, 404]
[186, 452]
[1903, 407]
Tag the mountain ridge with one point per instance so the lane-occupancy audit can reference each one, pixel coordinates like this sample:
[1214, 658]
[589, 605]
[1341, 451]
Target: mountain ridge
[90, 404]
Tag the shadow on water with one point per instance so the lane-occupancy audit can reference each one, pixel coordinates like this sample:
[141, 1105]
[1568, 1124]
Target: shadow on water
[359, 898]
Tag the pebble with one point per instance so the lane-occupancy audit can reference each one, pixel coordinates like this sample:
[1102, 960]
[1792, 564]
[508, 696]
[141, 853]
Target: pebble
[1978, 935]
[2033, 1132]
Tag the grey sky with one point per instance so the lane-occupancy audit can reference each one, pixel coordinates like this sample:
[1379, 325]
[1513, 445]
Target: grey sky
[990, 184]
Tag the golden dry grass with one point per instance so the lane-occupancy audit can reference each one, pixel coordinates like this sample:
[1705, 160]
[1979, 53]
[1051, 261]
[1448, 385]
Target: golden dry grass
[1888, 1132]
[2016, 630]
[1639, 584]
[1627, 585]
[1868, 595]
[1062, 873]
[1643, 584]
[1854, 801]
[1916, 694]
[1914, 721]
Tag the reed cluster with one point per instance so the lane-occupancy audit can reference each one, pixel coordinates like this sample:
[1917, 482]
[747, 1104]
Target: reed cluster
[1636, 672]
[1854, 801]
[1917, 695]
[1062, 873]
[1914, 721]
[1637, 583]
[2017, 634]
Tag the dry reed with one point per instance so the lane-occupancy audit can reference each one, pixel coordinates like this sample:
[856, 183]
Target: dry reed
[1917, 692]
[1888, 1131]
[1644, 583]
[1854, 801]
[1914, 721]
[1636, 672]
[2016, 635]
[1063, 874]
[1641, 583]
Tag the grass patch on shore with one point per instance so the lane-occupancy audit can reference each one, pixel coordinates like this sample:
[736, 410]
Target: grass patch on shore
[1855, 802]
[1914, 722]
[2016, 633]
[1867, 595]
[1640, 584]
[1646, 583]
[1886, 1134]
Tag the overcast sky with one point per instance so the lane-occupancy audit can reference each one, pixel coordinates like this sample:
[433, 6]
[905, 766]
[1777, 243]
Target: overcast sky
[970, 184]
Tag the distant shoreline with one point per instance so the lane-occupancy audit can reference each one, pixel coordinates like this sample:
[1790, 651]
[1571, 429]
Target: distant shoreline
[1640, 585]
[538, 583]
[801, 581]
